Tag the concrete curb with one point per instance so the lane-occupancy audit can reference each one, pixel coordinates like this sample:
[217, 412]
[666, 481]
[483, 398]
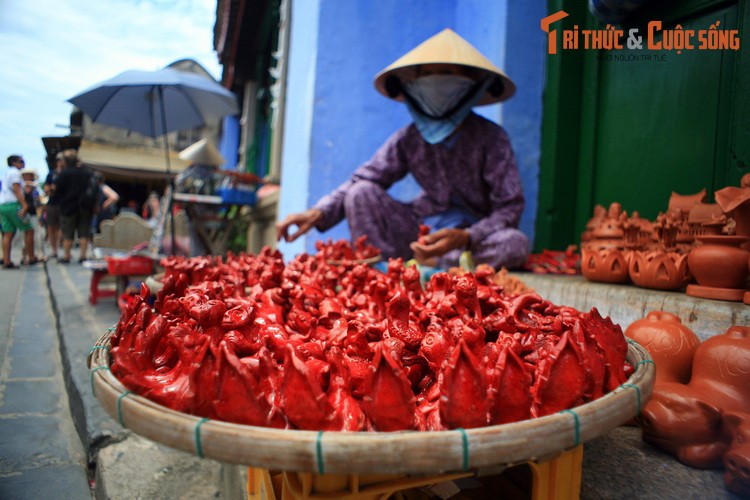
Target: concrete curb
[122, 464]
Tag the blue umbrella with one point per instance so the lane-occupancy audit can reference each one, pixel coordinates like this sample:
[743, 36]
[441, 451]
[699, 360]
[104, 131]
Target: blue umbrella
[154, 103]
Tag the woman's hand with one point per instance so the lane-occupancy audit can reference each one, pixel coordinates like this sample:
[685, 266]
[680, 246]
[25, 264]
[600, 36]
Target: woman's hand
[304, 221]
[433, 245]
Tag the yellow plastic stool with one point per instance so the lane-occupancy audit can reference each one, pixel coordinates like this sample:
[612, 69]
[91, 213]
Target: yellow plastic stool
[557, 478]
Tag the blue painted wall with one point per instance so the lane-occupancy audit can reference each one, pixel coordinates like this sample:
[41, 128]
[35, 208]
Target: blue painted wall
[522, 115]
[230, 141]
[335, 119]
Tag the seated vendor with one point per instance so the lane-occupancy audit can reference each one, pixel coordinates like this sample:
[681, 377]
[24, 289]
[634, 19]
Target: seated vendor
[471, 196]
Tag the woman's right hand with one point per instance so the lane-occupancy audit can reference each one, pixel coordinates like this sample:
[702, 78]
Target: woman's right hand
[304, 221]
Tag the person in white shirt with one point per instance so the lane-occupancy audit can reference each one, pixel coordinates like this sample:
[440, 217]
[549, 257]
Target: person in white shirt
[14, 211]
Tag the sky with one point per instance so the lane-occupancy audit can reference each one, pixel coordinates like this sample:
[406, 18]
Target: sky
[50, 50]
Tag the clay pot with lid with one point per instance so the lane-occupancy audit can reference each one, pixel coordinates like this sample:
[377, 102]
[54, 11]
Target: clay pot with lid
[720, 266]
[670, 343]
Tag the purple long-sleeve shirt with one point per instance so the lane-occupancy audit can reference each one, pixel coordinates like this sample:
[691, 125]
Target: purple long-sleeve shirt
[474, 168]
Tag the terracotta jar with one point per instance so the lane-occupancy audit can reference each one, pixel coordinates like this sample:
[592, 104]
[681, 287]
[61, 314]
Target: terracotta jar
[670, 343]
[720, 267]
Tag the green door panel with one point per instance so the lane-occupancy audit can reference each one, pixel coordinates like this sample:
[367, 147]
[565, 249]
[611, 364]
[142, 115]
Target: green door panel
[657, 126]
[619, 126]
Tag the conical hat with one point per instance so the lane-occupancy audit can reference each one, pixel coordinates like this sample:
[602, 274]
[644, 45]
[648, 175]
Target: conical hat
[202, 152]
[444, 48]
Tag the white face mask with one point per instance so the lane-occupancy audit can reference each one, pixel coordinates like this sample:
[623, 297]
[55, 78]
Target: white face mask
[436, 95]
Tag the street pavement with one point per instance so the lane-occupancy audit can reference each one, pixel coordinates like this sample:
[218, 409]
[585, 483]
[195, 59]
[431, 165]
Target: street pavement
[56, 441]
[42, 455]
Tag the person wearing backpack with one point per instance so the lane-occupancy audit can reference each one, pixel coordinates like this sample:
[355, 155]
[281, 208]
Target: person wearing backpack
[77, 191]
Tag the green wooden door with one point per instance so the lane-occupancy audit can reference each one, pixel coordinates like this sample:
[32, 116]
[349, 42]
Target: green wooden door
[619, 126]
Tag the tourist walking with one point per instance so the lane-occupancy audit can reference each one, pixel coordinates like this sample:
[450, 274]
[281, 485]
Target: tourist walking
[78, 193]
[14, 211]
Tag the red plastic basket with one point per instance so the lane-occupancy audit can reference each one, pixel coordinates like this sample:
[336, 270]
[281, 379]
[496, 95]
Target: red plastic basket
[127, 266]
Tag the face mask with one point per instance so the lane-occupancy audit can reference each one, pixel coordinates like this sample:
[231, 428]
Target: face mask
[438, 95]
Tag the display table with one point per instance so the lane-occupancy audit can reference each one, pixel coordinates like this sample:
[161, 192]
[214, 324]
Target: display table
[212, 219]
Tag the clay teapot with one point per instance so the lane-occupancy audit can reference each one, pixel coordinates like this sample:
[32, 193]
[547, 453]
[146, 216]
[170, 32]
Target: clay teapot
[686, 419]
[672, 345]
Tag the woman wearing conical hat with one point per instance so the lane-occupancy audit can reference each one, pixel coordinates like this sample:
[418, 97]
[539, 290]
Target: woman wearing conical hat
[471, 190]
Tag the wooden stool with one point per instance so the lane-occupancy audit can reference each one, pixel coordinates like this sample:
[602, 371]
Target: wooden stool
[557, 478]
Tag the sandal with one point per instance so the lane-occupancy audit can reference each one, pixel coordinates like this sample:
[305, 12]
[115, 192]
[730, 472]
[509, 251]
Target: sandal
[10, 266]
[31, 262]
[63, 261]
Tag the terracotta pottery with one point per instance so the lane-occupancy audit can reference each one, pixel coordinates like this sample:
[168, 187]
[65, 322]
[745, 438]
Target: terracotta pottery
[672, 345]
[720, 267]
[631, 228]
[685, 201]
[604, 265]
[606, 229]
[658, 269]
[667, 226]
[737, 458]
[686, 419]
[600, 213]
[736, 203]
[746, 300]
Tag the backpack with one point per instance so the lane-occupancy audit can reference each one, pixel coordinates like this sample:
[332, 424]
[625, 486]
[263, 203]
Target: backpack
[90, 196]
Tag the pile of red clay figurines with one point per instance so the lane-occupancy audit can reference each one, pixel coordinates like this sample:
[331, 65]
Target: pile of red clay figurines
[700, 407]
[702, 248]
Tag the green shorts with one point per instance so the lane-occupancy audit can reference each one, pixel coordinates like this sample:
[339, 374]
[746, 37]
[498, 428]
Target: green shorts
[10, 220]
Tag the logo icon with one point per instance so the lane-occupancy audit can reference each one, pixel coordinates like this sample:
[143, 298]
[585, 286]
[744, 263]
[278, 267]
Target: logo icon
[552, 35]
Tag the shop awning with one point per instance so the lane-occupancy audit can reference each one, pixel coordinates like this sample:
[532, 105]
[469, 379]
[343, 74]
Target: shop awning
[132, 164]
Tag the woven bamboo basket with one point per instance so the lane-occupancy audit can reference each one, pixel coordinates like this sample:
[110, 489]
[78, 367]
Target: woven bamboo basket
[407, 452]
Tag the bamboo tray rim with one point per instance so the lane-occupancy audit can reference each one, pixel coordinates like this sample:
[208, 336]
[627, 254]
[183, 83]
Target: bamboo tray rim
[403, 452]
[342, 262]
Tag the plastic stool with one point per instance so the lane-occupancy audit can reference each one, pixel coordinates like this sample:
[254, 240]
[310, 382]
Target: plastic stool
[94, 291]
[557, 478]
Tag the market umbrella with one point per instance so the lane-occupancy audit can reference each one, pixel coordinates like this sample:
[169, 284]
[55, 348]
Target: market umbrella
[154, 103]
